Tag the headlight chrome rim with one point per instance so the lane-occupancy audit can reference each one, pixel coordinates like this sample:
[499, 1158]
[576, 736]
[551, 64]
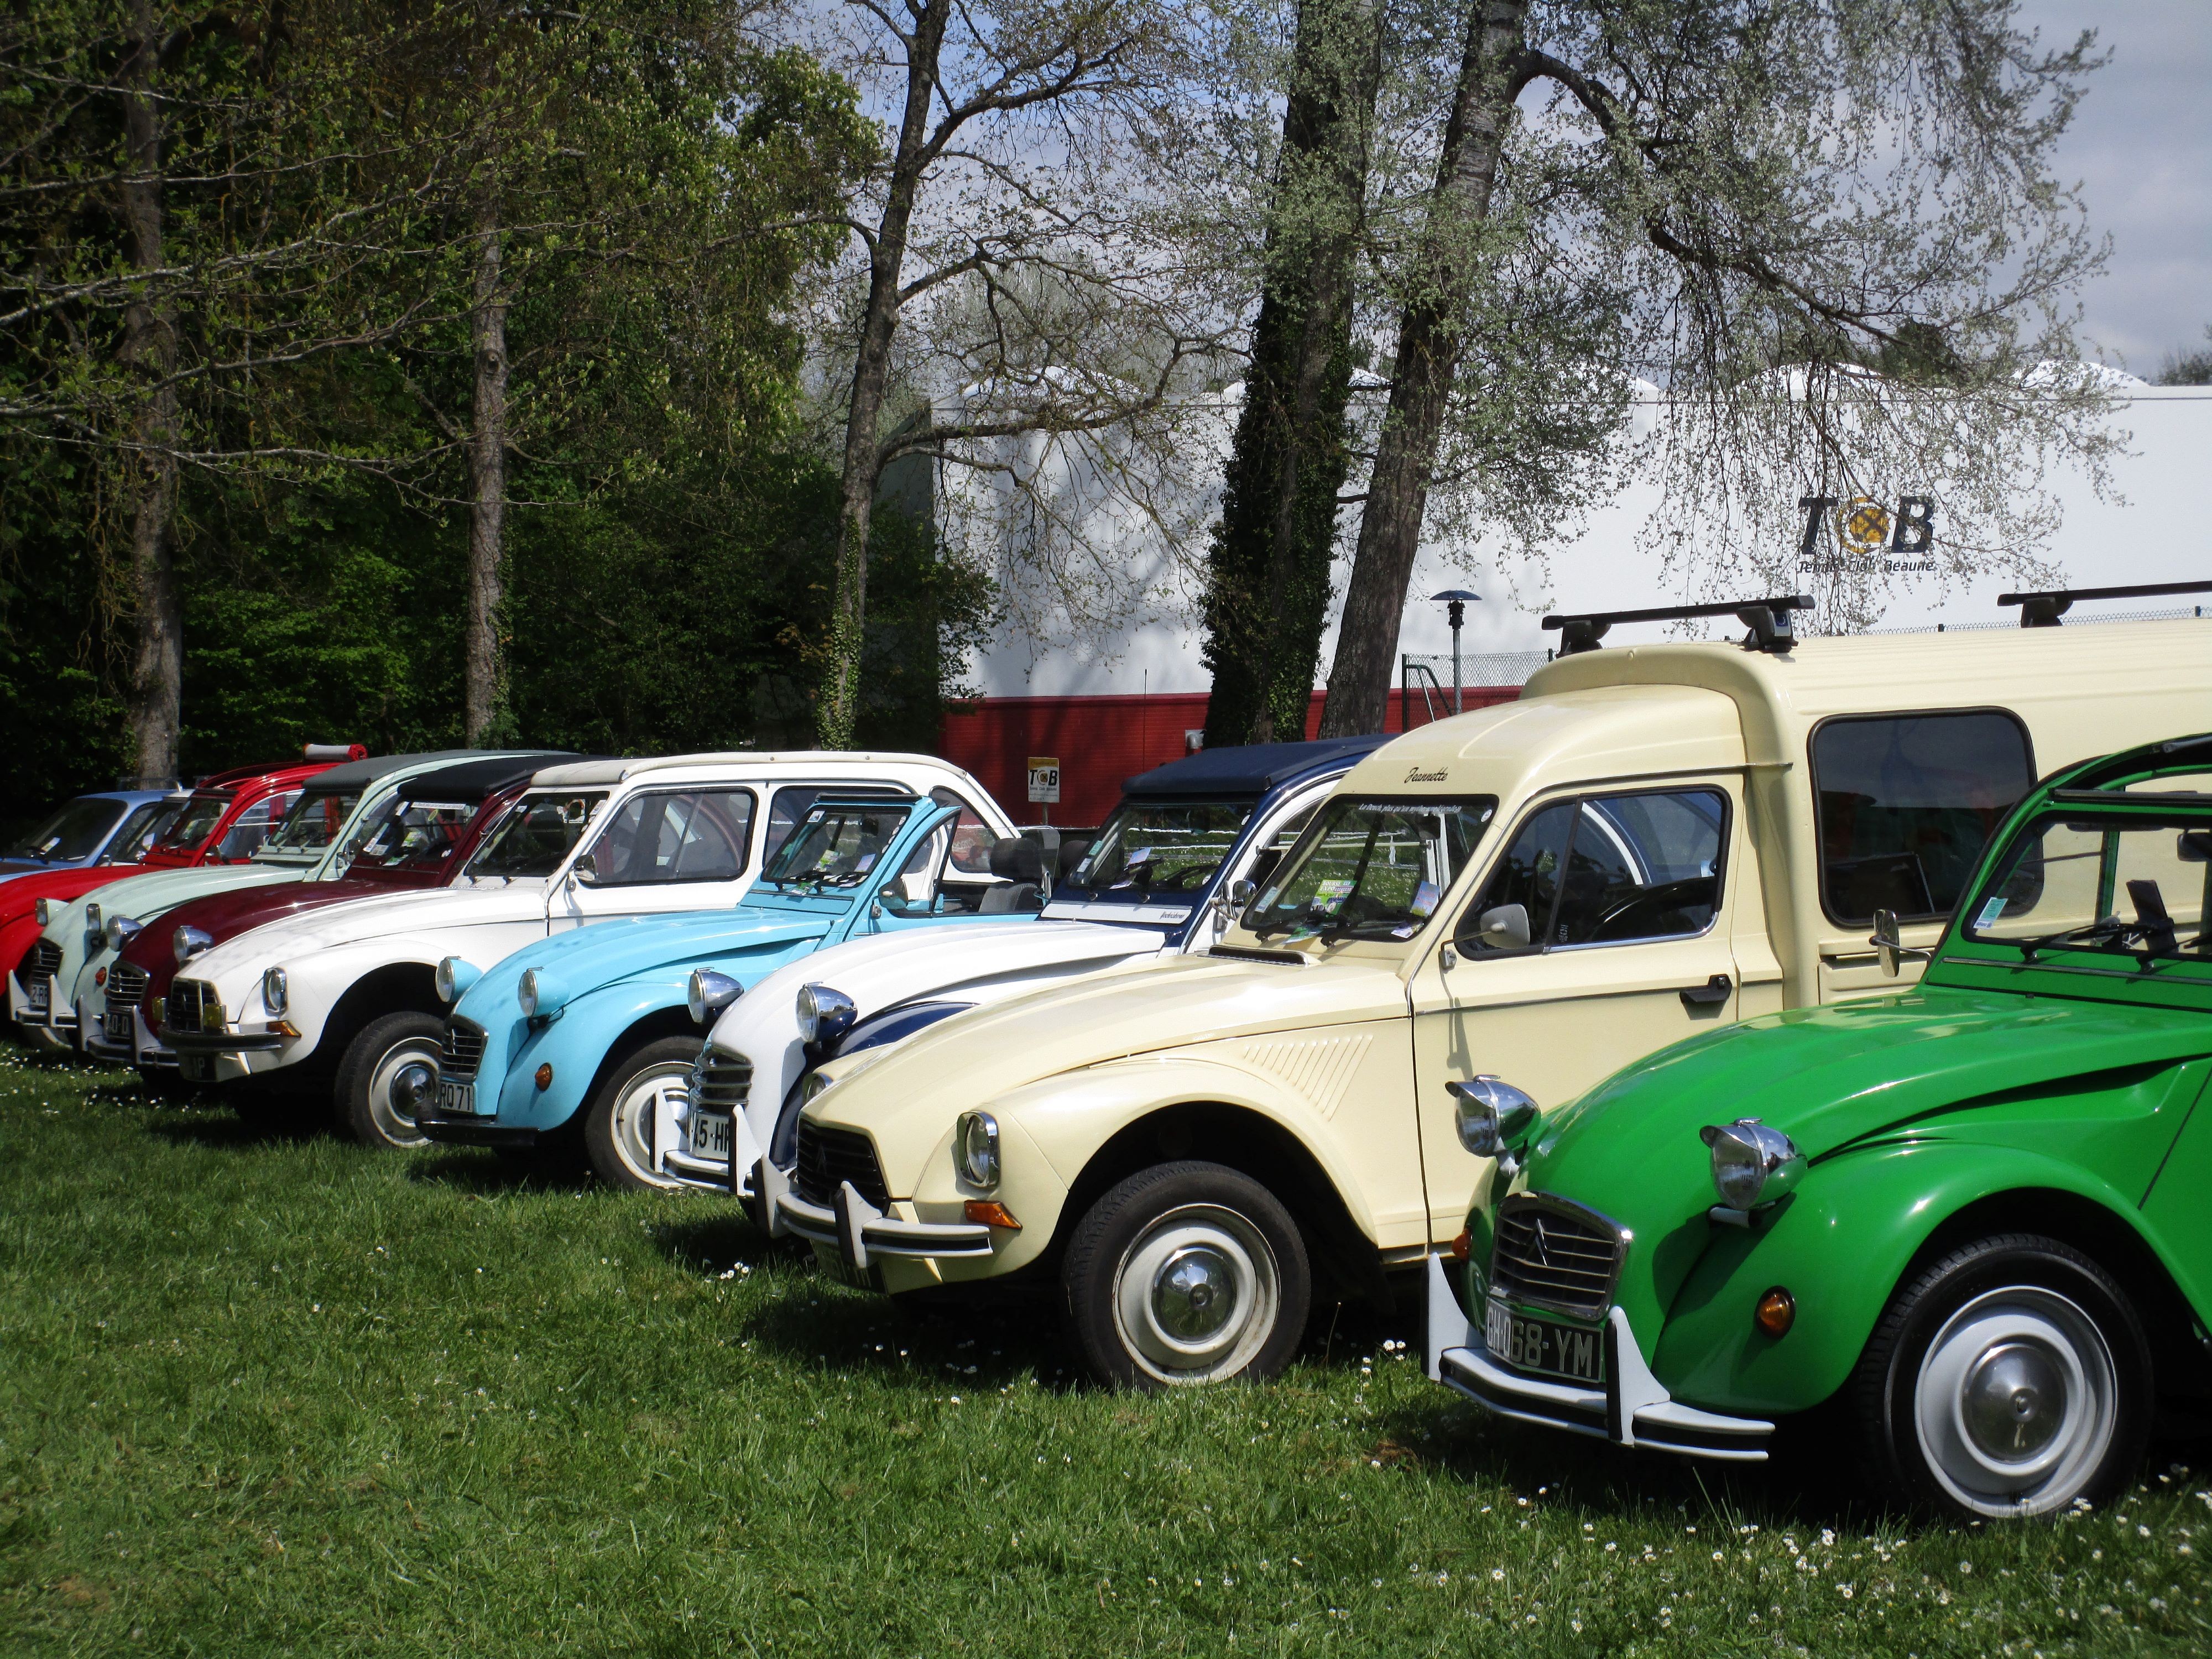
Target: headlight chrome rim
[1490, 1113]
[709, 993]
[1753, 1164]
[120, 931]
[825, 1013]
[526, 993]
[44, 910]
[276, 991]
[976, 1150]
[188, 942]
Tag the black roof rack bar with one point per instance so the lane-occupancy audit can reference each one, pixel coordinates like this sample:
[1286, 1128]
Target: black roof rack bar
[2043, 609]
[1768, 619]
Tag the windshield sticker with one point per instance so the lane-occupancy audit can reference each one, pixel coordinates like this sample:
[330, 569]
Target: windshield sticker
[1327, 895]
[1991, 912]
[1138, 855]
[866, 863]
[1424, 904]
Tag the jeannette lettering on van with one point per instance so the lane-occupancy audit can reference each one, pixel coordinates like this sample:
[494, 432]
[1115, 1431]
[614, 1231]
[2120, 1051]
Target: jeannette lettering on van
[1416, 776]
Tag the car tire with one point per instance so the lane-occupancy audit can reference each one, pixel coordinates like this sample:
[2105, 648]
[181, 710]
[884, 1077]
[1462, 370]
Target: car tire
[390, 1060]
[618, 1122]
[2009, 1377]
[1185, 1273]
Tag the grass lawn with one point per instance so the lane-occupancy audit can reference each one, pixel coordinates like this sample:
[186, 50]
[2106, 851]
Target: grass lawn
[275, 1397]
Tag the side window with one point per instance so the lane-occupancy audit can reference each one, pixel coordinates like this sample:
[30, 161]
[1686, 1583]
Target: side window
[1609, 870]
[972, 838]
[252, 827]
[687, 835]
[1905, 802]
[1268, 858]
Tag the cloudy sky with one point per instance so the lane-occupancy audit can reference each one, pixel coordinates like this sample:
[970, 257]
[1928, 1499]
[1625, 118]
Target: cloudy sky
[2141, 148]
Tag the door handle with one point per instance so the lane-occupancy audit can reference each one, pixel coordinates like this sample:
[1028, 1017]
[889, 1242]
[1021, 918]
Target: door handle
[1713, 992]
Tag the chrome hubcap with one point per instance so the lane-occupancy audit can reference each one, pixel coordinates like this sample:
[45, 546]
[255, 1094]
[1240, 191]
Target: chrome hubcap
[638, 1111]
[405, 1081]
[2016, 1401]
[1197, 1295]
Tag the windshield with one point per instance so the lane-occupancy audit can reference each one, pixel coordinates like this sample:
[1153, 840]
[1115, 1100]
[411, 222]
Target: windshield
[1146, 850]
[141, 830]
[1371, 869]
[418, 834]
[73, 832]
[314, 822]
[2137, 885]
[836, 844]
[538, 836]
[195, 824]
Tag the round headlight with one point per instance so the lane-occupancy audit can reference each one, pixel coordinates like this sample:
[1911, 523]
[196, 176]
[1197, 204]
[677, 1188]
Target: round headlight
[44, 910]
[1488, 1111]
[1752, 1163]
[525, 993]
[92, 918]
[709, 993]
[976, 1150]
[825, 1013]
[276, 991]
[120, 931]
[188, 942]
[453, 976]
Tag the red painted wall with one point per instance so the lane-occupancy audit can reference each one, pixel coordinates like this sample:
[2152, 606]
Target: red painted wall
[1102, 740]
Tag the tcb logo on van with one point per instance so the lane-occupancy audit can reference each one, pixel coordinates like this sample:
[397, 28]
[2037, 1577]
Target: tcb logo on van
[1864, 529]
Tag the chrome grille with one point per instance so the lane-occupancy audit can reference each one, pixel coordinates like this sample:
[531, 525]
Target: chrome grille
[190, 1008]
[460, 1050]
[1555, 1254]
[126, 985]
[721, 1082]
[830, 1157]
[45, 958]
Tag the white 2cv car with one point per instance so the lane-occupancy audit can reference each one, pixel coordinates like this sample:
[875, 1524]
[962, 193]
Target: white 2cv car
[347, 1000]
[1652, 839]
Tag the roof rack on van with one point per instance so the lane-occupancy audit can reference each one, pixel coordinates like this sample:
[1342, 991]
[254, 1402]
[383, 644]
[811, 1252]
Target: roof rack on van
[2043, 609]
[1768, 619]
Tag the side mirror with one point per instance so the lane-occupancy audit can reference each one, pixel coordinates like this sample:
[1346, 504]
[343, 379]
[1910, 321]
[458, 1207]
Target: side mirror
[584, 873]
[1505, 927]
[1889, 946]
[1242, 893]
[2194, 847]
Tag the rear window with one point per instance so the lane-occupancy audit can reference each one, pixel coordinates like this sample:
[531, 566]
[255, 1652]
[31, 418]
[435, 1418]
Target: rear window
[1906, 803]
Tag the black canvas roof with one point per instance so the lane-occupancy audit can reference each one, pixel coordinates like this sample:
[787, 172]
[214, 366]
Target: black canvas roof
[472, 780]
[354, 774]
[1249, 769]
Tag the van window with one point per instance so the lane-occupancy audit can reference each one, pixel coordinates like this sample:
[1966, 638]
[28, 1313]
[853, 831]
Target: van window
[251, 828]
[1906, 801]
[1609, 870]
[690, 834]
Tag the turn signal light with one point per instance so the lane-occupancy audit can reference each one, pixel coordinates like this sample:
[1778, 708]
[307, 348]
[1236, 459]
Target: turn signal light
[1462, 1247]
[1776, 1313]
[546, 1076]
[99, 976]
[283, 1028]
[991, 1213]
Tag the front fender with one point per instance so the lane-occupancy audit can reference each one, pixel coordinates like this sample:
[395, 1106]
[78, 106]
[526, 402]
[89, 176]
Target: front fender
[1840, 1244]
[575, 1043]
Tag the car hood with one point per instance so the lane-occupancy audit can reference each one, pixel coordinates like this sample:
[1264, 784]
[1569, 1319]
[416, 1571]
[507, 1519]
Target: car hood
[988, 1051]
[20, 897]
[142, 897]
[1828, 1078]
[582, 960]
[226, 915]
[11, 868]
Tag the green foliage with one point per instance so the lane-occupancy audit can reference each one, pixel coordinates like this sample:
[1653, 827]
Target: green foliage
[264, 1397]
[2189, 367]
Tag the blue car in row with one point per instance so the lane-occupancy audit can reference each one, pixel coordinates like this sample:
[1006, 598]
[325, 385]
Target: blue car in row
[591, 1035]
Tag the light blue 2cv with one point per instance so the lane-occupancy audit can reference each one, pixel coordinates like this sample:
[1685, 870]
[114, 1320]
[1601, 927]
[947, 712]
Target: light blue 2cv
[590, 1035]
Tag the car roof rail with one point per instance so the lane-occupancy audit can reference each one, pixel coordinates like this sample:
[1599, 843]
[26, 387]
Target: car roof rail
[1768, 619]
[2043, 609]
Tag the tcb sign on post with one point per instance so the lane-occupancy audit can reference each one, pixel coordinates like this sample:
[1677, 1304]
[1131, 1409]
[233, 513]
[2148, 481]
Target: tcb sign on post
[1044, 780]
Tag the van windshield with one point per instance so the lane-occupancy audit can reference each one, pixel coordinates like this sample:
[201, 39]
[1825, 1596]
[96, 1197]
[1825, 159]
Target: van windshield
[2126, 885]
[836, 845]
[1370, 869]
[73, 832]
[1149, 850]
[538, 835]
[314, 822]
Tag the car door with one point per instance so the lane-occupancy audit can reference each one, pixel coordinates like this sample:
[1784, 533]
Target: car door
[661, 851]
[1599, 933]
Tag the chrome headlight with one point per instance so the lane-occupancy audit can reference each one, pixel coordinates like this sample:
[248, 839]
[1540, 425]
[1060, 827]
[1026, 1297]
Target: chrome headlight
[44, 910]
[276, 991]
[525, 993]
[709, 993]
[976, 1150]
[1492, 1114]
[1752, 1163]
[92, 918]
[825, 1013]
[188, 942]
[120, 931]
[453, 976]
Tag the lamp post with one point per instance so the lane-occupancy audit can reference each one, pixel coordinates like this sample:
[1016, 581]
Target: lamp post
[1457, 599]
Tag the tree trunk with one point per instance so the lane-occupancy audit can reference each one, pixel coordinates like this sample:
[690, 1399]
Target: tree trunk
[484, 713]
[1429, 341]
[150, 346]
[1268, 592]
[863, 463]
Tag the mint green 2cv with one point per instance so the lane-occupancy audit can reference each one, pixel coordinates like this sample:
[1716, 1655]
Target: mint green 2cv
[1972, 1220]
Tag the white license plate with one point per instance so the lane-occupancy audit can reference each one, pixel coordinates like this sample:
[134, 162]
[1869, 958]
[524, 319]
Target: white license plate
[710, 1136]
[457, 1099]
[39, 995]
[120, 1033]
[195, 1068]
[1540, 1345]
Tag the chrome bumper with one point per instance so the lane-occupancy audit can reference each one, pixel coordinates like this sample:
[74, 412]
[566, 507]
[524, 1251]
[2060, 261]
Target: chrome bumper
[1632, 1408]
[859, 1231]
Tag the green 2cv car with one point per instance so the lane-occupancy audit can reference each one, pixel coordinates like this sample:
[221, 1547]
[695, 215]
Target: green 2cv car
[1975, 1218]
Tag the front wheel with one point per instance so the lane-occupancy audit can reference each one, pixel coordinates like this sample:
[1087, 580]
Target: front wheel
[389, 1072]
[2009, 1378]
[626, 1115]
[1187, 1273]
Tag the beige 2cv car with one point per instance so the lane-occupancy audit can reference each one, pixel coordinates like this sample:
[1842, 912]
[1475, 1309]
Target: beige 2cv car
[1651, 840]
